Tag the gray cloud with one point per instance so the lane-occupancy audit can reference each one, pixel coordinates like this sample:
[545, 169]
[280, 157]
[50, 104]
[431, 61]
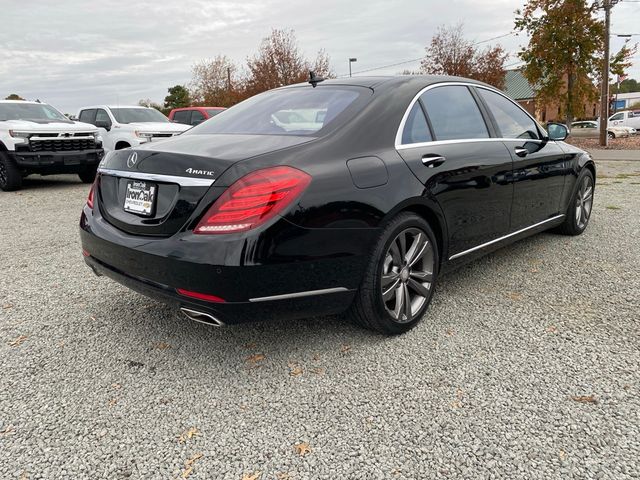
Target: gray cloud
[72, 53]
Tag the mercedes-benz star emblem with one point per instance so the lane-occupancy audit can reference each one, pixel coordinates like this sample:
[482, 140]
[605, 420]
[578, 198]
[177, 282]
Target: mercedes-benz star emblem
[131, 161]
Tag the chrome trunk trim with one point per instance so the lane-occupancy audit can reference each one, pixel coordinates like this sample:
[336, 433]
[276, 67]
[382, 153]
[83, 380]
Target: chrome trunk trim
[156, 177]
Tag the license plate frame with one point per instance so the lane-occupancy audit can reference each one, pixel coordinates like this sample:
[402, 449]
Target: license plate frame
[140, 198]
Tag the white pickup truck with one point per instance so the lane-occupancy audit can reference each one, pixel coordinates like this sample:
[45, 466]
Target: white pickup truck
[628, 118]
[129, 126]
[37, 138]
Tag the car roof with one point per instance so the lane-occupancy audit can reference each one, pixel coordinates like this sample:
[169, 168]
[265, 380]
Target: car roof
[394, 80]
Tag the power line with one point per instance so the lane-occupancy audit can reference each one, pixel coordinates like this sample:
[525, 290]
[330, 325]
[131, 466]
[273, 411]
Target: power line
[381, 67]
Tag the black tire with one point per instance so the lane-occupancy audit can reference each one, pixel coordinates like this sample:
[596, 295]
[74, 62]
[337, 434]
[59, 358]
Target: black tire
[611, 135]
[10, 174]
[369, 309]
[572, 224]
[89, 175]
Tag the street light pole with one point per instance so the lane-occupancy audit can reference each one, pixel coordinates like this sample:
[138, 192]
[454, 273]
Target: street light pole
[351, 60]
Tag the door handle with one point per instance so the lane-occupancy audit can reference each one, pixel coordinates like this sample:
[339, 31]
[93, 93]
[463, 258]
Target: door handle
[521, 151]
[432, 161]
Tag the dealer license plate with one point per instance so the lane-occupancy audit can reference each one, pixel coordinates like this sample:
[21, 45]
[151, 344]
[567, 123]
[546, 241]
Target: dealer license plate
[140, 197]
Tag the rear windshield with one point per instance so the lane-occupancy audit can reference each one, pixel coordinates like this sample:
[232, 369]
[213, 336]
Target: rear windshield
[38, 112]
[213, 113]
[290, 111]
[136, 115]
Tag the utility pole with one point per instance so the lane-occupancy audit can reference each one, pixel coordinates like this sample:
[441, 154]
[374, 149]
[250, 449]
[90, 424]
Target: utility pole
[604, 91]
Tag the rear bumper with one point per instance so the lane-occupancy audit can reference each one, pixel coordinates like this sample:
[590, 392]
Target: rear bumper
[309, 272]
[57, 162]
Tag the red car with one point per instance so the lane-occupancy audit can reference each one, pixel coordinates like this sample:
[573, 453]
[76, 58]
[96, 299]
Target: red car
[194, 115]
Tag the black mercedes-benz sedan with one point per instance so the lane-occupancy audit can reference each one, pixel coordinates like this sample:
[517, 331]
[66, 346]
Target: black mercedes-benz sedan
[348, 195]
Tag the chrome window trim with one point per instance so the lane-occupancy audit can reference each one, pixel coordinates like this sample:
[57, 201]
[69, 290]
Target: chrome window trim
[400, 146]
[155, 177]
[299, 294]
[464, 140]
[522, 230]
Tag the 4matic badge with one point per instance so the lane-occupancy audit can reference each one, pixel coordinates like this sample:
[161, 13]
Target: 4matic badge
[193, 171]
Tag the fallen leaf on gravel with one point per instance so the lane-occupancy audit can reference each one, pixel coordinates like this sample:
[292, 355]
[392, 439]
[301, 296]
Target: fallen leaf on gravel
[318, 370]
[18, 341]
[112, 402]
[7, 305]
[9, 429]
[162, 346]
[283, 476]
[316, 357]
[585, 399]
[188, 435]
[515, 296]
[116, 386]
[24, 475]
[302, 448]
[92, 318]
[449, 332]
[252, 476]
[345, 348]
[250, 345]
[255, 359]
[188, 465]
[562, 454]
[552, 329]
[295, 369]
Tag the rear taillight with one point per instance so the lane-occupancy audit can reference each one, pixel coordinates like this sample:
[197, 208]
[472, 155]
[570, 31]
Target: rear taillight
[90, 197]
[253, 200]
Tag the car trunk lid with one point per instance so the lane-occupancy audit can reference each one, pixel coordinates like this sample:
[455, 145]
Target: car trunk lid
[155, 190]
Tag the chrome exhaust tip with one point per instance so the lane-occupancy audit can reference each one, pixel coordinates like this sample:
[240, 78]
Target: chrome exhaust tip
[201, 317]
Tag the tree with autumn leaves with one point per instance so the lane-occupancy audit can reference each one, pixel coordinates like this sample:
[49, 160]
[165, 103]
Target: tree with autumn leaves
[278, 62]
[564, 57]
[450, 53]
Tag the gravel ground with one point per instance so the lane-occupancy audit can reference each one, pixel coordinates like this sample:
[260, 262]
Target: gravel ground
[525, 367]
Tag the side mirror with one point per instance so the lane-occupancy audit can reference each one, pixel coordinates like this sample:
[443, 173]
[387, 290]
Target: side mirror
[557, 131]
[103, 124]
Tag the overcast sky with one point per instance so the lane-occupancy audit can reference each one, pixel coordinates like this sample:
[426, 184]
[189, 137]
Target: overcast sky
[75, 53]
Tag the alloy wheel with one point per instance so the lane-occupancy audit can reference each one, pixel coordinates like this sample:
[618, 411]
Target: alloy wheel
[584, 202]
[407, 274]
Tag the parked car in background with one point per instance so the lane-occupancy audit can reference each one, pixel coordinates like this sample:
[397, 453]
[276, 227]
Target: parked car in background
[194, 115]
[129, 126]
[390, 182]
[591, 129]
[628, 118]
[37, 138]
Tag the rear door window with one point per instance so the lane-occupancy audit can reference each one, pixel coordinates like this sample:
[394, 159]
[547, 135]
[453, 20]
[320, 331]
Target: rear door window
[511, 119]
[454, 113]
[416, 129]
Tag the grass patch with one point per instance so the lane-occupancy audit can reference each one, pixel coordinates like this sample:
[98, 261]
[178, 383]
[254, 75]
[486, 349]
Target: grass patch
[613, 207]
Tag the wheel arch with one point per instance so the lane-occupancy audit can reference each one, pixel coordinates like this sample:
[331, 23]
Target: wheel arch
[588, 163]
[120, 144]
[3, 147]
[431, 213]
